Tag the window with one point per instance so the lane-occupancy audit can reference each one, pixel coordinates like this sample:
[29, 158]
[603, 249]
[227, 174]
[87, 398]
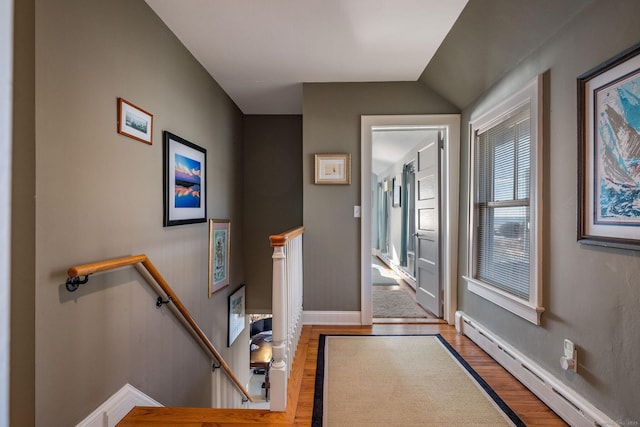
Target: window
[504, 241]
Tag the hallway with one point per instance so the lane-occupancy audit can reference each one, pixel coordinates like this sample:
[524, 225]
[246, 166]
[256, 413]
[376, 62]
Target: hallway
[301, 391]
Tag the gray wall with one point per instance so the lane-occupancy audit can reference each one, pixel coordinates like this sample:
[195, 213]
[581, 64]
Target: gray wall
[591, 294]
[331, 124]
[272, 196]
[22, 356]
[88, 344]
[99, 196]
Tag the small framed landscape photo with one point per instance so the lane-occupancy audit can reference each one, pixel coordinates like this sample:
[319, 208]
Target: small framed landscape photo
[609, 152]
[236, 314]
[134, 122]
[333, 168]
[185, 181]
[219, 246]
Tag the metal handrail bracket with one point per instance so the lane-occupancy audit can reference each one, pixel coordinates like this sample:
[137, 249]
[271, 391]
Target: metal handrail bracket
[74, 281]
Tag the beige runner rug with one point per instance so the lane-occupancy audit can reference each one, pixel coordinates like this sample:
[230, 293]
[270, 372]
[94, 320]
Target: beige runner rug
[401, 381]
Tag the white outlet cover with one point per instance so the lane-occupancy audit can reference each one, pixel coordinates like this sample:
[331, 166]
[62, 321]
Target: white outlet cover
[568, 349]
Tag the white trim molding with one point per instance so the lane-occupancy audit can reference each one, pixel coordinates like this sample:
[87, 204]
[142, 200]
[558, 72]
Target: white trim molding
[529, 307]
[114, 409]
[6, 119]
[564, 401]
[517, 306]
[331, 317]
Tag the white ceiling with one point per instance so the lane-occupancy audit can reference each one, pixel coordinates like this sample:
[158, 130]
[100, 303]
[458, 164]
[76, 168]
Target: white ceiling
[261, 51]
[390, 145]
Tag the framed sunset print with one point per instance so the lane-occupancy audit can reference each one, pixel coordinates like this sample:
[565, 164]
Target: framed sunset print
[185, 179]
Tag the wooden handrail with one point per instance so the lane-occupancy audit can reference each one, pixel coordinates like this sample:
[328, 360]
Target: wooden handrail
[281, 239]
[87, 269]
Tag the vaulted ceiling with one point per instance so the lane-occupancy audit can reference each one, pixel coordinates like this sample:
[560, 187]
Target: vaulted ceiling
[490, 38]
[261, 52]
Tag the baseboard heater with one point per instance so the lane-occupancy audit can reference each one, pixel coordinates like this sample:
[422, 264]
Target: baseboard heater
[564, 401]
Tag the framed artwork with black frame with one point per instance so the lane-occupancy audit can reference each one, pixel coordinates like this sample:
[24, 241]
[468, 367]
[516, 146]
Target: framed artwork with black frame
[236, 314]
[185, 181]
[609, 152]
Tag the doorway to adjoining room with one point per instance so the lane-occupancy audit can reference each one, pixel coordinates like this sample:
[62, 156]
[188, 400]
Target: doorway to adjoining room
[405, 175]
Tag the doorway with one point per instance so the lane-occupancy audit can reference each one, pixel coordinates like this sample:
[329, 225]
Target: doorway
[448, 131]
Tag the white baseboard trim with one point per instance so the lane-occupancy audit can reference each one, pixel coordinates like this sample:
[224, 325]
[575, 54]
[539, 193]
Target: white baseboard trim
[331, 318]
[564, 401]
[116, 407]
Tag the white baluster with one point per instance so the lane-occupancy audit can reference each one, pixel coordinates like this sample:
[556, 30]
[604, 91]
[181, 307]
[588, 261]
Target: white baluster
[278, 372]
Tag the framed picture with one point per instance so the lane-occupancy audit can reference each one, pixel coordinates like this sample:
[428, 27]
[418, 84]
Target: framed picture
[236, 314]
[219, 245]
[397, 198]
[609, 152]
[185, 181]
[333, 169]
[134, 122]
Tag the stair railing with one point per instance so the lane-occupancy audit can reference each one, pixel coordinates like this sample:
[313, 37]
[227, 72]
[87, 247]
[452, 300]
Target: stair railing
[86, 270]
[287, 311]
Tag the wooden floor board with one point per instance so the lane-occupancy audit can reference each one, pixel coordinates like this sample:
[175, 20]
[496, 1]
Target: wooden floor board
[300, 398]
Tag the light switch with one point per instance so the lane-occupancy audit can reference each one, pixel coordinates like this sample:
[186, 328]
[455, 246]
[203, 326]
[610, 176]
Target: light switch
[356, 211]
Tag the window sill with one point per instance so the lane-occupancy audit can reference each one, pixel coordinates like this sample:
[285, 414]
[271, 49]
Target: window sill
[515, 305]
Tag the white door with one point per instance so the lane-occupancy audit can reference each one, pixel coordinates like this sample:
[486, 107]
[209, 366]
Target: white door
[428, 283]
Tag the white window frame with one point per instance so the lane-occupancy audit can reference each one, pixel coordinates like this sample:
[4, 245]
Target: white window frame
[530, 309]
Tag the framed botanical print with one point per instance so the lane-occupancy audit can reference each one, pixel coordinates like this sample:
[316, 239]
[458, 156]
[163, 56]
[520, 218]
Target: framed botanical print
[219, 246]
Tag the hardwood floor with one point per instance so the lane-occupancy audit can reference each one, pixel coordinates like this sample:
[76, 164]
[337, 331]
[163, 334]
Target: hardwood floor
[301, 386]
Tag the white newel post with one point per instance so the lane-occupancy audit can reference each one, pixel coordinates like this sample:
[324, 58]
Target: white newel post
[278, 373]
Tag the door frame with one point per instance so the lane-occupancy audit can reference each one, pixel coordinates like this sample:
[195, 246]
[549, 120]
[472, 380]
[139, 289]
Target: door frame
[6, 140]
[449, 204]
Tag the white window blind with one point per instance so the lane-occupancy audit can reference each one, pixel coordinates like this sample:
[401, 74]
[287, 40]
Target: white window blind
[503, 170]
[505, 204]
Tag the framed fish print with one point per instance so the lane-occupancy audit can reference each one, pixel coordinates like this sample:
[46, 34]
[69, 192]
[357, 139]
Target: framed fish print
[236, 314]
[219, 252]
[609, 152]
[185, 181]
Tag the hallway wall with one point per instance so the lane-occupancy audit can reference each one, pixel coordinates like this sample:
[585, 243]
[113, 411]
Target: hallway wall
[272, 196]
[591, 294]
[100, 196]
[331, 124]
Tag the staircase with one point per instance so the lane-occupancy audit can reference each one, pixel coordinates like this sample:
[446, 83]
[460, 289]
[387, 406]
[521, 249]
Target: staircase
[289, 337]
[207, 417]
